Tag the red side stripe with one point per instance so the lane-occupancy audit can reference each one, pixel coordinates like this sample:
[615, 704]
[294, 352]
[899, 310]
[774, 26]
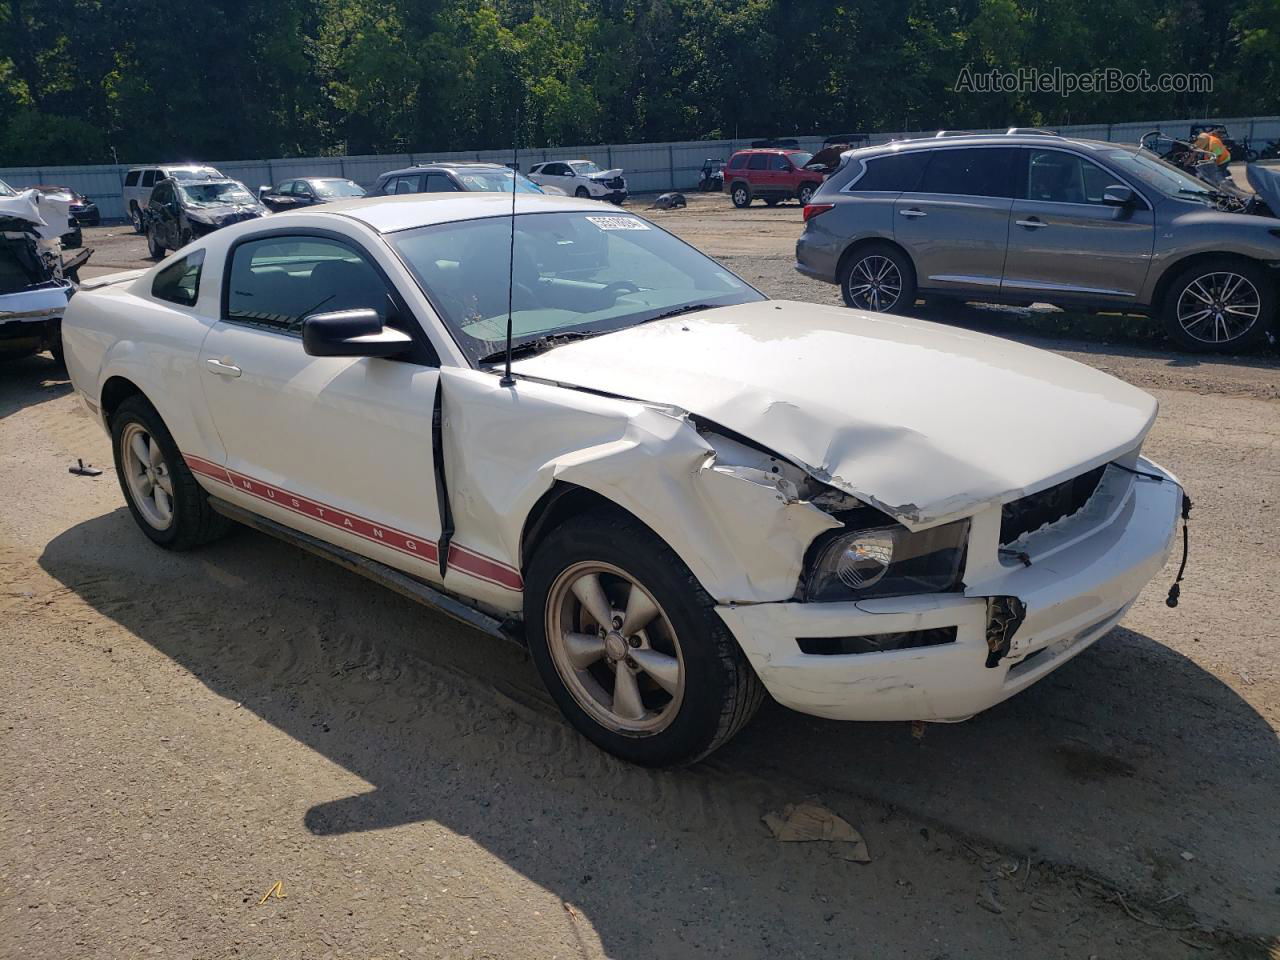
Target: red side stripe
[467, 561]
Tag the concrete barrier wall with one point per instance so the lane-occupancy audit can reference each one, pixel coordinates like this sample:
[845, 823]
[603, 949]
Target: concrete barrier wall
[648, 167]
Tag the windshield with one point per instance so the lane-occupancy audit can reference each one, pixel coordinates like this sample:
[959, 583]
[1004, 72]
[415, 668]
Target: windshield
[6, 190]
[576, 274]
[584, 168]
[1154, 172]
[800, 159]
[228, 191]
[336, 188]
[495, 181]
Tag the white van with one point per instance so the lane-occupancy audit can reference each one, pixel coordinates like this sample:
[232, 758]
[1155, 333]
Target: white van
[139, 181]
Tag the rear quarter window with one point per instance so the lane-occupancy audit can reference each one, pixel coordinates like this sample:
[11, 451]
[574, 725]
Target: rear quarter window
[131, 178]
[892, 174]
[179, 282]
[738, 161]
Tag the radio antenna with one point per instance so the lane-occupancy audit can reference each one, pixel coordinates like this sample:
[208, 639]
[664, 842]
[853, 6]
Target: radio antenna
[508, 380]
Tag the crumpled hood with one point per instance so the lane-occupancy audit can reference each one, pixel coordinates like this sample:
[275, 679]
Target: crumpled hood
[926, 422]
[606, 175]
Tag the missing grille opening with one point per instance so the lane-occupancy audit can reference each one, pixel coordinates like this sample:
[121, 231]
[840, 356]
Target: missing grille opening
[876, 643]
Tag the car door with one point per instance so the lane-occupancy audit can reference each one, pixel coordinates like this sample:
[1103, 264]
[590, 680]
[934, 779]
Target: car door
[164, 211]
[303, 194]
[560, 175]
[758, 173]
[955, 224]
[1064, 242]
[404, 183]
[338, 447]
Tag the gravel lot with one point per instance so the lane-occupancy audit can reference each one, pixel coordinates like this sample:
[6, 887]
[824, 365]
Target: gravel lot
[180, 732]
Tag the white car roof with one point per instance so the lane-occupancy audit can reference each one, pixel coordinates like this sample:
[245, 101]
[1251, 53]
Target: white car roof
[403, 212]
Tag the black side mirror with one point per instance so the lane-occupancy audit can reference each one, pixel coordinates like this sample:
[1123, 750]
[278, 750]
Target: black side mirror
[352, 333]
[1117, 196]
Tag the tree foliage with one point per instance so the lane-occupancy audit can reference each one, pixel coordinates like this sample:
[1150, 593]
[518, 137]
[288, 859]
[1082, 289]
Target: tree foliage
[151, 79]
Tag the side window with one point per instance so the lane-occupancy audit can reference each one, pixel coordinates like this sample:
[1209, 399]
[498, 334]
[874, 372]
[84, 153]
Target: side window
[180, 282]
[302, 189]
[149, 178]
[758, 161]
[440, 183]
[1057, 177]
[131, 178]
[286, 189]
[779, 162]
[738, 161]
[163, 193]
[892, 174]
[404, 185]
[279, 281]
[974, 172]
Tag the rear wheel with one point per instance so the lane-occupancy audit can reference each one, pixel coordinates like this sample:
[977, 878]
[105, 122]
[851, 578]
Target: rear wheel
[878, 278]
[630, 646]
[1218, 306]
[741, 195]
[167, 503]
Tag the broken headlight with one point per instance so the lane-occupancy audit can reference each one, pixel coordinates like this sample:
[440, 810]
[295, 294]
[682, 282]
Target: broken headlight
[886, 561]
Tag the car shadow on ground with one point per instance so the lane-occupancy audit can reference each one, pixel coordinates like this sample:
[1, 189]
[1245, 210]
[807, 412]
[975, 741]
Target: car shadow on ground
[29, 381]
[1020, 323]
[1117, 763]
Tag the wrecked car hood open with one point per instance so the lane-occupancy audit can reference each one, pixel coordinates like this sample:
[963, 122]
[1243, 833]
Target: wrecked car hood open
[924, 421]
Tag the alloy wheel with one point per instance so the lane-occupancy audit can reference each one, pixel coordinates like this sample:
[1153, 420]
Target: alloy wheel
[1219, 307]
[740, 196]
[874, 283]
[148, 476]
[615, 648]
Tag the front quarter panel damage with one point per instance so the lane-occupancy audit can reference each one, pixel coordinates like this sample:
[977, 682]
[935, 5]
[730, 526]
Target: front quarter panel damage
[741, 528]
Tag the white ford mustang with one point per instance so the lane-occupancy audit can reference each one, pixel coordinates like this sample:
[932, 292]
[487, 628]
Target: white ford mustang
[686, 495]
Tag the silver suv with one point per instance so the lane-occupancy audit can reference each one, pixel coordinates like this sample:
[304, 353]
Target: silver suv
[1023, 218]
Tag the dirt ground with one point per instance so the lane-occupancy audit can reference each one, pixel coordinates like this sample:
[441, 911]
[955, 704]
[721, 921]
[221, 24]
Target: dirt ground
[178, 733]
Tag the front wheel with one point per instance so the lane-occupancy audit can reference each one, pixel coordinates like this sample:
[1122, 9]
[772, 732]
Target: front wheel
[629, 644]
[741, 195]
[135, 218]
[582, 193]
[167, 503]
[805, 193]
[878, 278]
[154, 246]
[1218, 306]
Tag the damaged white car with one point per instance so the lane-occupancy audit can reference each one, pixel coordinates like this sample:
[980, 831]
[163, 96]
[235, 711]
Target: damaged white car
[36, 280]
[684, 494]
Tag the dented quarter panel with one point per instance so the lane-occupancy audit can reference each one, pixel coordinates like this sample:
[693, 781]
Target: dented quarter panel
[741, 533]
[926, 422]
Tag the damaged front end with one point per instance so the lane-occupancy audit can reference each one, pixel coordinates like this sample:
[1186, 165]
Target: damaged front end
[35, 280]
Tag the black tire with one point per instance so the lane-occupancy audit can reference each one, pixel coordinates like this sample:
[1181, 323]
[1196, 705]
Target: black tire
[741, 195]
[806, 192]
[1250, 156]
[154, 247]
[194, 522]
[582, 193]
[135, 217]
[55, 347]
[906, 295]
[721, 690]
[1192, 334]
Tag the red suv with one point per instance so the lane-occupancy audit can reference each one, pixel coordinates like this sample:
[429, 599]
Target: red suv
[771, 175]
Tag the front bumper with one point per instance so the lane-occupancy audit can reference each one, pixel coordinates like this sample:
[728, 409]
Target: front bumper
[1074, 593]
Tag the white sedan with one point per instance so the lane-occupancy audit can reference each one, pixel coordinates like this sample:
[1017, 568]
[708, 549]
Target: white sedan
[684, 495]
[581, 178]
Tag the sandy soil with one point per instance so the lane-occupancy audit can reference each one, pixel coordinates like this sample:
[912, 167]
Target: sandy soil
[179, 733]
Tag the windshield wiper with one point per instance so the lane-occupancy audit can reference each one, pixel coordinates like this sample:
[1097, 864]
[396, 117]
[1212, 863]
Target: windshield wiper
[687, 308]
[539, 344]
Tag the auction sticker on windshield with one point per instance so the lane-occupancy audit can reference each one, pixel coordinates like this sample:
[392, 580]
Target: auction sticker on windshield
[619, 223]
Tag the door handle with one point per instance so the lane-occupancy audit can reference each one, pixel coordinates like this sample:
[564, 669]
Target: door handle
[913, 213]
[1031, 223]
[222, 369]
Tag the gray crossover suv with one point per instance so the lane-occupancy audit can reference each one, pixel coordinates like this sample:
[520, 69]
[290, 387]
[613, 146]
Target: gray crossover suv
[1024, 218]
